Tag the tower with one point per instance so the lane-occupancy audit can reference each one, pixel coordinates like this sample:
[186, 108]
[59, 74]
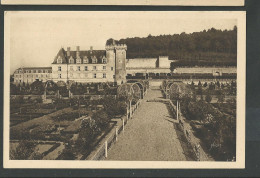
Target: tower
[116, 56]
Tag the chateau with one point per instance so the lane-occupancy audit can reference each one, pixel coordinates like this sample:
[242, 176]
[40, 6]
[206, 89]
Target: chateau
[109, 65]
[91, 66]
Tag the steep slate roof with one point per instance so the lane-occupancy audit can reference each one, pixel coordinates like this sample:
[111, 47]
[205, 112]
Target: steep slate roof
[99, 54]
[62, 54]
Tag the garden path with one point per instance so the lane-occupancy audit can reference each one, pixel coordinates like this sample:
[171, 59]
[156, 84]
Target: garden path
[150, 135]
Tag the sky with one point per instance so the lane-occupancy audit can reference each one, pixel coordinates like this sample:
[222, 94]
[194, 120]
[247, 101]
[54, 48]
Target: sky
[36, 37]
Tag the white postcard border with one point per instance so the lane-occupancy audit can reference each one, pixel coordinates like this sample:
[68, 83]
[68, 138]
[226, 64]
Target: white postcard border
[80, 164]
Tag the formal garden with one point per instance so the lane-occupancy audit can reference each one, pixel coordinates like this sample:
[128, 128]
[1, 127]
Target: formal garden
[213, 123]
[78, 122]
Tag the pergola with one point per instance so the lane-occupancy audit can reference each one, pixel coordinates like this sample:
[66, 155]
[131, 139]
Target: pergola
[129, 91]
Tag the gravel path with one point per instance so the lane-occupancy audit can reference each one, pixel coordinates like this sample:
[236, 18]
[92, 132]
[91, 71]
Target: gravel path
[150, 135]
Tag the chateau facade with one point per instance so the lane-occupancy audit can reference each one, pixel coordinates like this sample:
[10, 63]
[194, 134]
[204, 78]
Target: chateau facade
[31, 74]
[91, 66]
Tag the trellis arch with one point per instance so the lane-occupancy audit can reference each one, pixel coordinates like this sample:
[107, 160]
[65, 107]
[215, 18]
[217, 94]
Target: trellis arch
[142, 88]
[130, 91]
[125, 90]
[49, 83]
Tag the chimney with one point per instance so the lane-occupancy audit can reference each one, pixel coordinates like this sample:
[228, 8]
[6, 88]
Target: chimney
[77, 51]
[68, 51]
[91, 49]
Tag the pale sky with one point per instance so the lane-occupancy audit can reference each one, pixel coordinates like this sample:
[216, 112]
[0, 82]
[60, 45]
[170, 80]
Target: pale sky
[36, 37]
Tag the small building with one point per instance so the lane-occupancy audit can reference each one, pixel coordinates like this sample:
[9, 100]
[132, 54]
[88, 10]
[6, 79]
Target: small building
[148, 66]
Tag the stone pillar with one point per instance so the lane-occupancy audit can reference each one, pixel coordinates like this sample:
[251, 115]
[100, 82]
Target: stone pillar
[116, 133]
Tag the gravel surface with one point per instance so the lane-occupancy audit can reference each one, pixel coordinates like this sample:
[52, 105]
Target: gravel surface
[150, 135]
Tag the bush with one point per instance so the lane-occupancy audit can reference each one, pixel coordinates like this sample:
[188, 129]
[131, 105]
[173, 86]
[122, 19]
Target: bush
[114, 107]
[101, 119]
[208, 98]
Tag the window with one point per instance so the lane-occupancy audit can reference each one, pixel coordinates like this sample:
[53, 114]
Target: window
[59, 68]
[43, 71]
[78, 68]
[94, 67]
[59, 76]
[71, 61]
[86, 68]
[71, 68]
[104, 67]
[104, 75]
[111, 68]
[104, 60]
[94, 60]
[27, 71]
[114, 76]
[85, 60]
[78, 61]
[94, 75]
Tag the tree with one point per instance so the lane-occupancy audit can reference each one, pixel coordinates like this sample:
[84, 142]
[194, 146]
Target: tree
[199, 84]
[208, 98]
[220, 96]
[192, 85]
[88, 132]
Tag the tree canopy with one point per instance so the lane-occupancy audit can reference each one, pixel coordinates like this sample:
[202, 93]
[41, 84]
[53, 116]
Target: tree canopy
[211, 44]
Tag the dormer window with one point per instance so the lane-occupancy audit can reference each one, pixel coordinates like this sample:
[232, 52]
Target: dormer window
[104, 61]
[59, 60]
[94, 60]
[78, 61]
[71, 60]
[85, 60]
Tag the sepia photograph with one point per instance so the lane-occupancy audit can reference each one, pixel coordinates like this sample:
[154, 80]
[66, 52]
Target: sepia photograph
[114, 89]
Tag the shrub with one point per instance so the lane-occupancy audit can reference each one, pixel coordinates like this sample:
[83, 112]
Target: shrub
[23, 151]
[208, 98]
[101, 119]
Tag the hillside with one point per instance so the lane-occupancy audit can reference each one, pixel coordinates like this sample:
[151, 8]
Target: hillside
[205, 46]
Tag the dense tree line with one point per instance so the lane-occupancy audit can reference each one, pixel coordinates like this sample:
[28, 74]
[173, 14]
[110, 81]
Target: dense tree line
[207, 45]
